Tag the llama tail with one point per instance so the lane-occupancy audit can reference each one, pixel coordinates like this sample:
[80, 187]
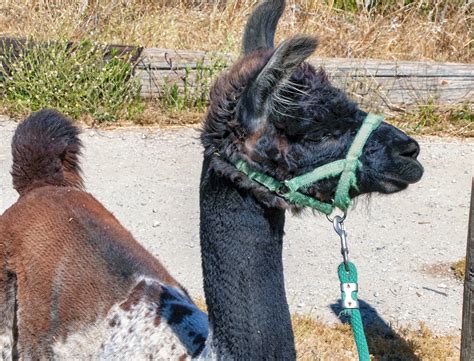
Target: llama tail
[46, 150]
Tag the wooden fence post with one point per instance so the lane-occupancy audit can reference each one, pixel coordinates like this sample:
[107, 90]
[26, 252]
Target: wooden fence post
[467, 337]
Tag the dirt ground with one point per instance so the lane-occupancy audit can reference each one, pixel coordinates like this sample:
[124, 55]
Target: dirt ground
[149, 179]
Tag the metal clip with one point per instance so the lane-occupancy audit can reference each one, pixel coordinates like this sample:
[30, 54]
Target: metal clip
[338, 223]
[347, 300]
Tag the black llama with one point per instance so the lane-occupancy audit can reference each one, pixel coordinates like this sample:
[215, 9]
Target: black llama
[283, 118]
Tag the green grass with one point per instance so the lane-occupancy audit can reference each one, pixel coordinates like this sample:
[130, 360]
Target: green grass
[386, 6]
[75, 80]
[191, 92]
[78, 82]
[435, 119]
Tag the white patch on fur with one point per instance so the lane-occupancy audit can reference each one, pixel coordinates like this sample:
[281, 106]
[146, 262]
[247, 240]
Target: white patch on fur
[124, 335]
[82, 345]
[6, 344]
[7, 311]
[137, 337]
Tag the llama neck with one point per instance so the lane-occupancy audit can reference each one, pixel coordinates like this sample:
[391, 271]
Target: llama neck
[241, 246]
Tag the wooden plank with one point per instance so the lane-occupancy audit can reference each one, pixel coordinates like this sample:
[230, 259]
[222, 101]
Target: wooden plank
[410, 90]
[155, 59]
[13, 47]
[467, 336]
[388, 83]
[165, 59]
[383, 68]
[375, 82]
[390, 90]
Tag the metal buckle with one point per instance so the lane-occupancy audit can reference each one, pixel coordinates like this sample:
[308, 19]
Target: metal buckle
[347, 301]
[338, 224]
[342, 218]
[282, 191]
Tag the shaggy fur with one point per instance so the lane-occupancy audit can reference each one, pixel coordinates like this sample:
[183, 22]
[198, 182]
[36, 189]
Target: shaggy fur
[308, 124]
[261, 26]
[284, 118]
[45, 152]
[68, 267]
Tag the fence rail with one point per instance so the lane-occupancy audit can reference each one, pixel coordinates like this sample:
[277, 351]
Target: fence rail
[389, 84]
[374, 83]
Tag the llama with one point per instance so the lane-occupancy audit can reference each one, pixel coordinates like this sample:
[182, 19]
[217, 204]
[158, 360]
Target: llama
[74, 284]
[284, 119]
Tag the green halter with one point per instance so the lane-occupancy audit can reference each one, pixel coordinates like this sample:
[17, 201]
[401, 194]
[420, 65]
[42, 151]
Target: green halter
[346, 168]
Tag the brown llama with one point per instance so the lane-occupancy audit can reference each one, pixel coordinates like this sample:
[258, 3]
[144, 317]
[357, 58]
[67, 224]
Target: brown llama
[74, 284]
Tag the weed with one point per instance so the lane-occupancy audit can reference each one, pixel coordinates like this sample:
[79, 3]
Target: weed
[459, 269]
[191, 91]
[427, 115]
[439, 30]
[76, 80]
[431, 119]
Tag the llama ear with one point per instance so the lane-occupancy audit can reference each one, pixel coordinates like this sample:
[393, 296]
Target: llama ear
[274, 76]
[261, 26]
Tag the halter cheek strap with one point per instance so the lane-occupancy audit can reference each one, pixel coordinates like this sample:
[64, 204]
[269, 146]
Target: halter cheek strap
[345, 168]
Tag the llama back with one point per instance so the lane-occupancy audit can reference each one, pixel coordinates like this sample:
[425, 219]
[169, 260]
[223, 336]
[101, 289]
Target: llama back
[46, 150]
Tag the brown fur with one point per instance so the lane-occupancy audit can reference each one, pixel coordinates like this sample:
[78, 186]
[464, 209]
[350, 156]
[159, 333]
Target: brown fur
[46, 151]
[46, 238]
[65, 261]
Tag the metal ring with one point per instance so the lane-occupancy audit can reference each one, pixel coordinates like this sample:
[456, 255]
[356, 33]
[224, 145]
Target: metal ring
[343, 217]
[282, 191]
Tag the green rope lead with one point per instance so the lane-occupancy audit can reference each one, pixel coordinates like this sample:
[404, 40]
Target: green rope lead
[348, 278]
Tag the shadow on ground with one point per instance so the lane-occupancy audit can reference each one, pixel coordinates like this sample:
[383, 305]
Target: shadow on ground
[383, 341]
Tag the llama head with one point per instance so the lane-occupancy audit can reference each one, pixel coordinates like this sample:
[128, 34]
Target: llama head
[284, 118]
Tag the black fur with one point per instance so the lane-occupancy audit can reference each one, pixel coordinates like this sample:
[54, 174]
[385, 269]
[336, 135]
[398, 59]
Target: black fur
[241, 245]
[261, 27]
[308, 124]
[46, 151]
[259, 97]
[284, 118]
[188, 322]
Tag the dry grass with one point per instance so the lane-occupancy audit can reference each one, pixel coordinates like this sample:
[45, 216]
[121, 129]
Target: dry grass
[429, 119]
[316, 340]
[425, 29]
[437, 30]
[459, 269]
[456, 121]
[153, 114]
[455, 270]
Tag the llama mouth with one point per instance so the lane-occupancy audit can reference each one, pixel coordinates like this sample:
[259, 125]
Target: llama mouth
[411, 172]
[395, 183]
[408, 173]
[389, 186]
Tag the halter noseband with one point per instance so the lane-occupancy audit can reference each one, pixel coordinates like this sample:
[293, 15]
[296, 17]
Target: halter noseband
[346, 168]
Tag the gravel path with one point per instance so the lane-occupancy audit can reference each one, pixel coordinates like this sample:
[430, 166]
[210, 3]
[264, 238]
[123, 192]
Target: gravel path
[149, 179]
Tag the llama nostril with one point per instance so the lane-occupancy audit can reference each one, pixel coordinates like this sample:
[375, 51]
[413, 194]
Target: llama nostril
[409, 150]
